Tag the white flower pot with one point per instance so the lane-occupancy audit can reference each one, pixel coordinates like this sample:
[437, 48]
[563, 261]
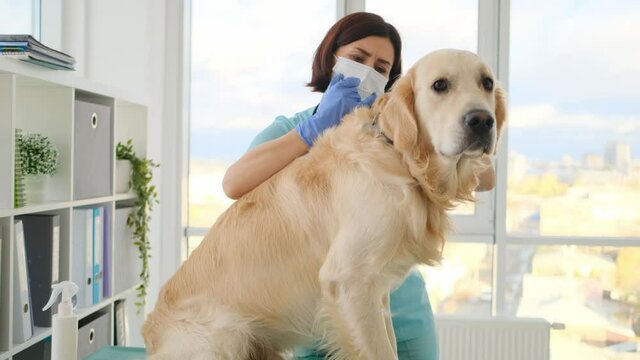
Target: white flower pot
[123, 175]
[37, 188]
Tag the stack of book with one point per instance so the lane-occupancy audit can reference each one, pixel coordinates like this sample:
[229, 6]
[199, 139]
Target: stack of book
[26, 48]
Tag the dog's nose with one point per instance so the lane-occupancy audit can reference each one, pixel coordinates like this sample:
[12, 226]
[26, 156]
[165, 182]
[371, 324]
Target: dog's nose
[478, 121]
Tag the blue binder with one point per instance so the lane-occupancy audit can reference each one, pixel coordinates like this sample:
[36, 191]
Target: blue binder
[98, 246]
[82, 255]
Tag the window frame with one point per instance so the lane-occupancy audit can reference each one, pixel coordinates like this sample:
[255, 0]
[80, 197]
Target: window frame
[496, 19]
[477, 225]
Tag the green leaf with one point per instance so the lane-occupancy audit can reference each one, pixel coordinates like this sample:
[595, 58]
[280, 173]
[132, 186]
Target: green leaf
[138, 220]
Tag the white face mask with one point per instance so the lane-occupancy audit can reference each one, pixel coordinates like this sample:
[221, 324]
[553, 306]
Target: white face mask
[371, 81]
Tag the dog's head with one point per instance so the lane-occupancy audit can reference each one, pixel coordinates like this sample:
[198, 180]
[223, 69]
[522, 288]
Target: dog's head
[443, 115]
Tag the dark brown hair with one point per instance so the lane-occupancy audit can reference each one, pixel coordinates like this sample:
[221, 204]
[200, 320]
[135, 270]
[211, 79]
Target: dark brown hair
[352, 28]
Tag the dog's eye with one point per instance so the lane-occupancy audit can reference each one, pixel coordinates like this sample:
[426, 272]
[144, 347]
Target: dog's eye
[440, 85]
[487, 84]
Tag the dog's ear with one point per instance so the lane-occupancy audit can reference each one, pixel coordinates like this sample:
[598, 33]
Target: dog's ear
[500, 111]
[398, 119]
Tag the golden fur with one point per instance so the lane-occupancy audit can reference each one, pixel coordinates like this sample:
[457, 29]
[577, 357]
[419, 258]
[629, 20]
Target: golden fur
[313, 252]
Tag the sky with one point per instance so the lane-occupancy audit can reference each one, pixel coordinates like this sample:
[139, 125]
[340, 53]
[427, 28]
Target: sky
[574, 69]
[573, 82]
[574, 77]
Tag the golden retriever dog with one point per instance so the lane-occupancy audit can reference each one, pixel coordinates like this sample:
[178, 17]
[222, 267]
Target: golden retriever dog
[311, 255]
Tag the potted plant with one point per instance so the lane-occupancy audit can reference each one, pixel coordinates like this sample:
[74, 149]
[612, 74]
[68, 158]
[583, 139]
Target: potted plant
[138, 220]
[123, 176]
[38, 162]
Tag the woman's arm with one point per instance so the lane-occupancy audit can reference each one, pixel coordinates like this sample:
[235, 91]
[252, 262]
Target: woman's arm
[261, 162]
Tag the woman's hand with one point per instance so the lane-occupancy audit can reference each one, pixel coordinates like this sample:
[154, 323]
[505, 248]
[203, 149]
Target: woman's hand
[340, 98]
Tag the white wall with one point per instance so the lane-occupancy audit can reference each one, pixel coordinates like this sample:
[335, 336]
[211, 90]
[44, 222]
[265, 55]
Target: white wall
[123, 44]
[122, 47]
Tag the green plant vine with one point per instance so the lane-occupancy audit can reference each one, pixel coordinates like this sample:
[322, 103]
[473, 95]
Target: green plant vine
[138, 220]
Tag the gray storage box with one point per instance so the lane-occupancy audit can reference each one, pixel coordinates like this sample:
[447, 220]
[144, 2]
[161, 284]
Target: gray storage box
[93, 336]
[93, 150]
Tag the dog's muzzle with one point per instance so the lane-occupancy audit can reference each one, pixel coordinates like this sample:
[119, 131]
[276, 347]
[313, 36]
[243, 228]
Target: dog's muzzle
[479, 128]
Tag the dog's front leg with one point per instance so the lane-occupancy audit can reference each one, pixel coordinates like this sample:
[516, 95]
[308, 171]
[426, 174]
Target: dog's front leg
[365, 314]
[357, 297]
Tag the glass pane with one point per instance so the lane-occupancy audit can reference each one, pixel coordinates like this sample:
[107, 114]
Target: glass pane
[594, 291]
[429, 25]
[462, 283]
[192, 243]
[250, 62]
[16, 17]
[574, 125]
[464, 208]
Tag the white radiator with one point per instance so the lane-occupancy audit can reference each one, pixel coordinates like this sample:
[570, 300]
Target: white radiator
[496, 338]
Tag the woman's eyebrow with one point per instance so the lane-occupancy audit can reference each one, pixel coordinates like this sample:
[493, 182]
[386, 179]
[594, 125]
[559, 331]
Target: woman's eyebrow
[380, 60]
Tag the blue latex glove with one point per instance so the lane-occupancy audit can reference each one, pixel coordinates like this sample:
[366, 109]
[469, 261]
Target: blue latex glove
[340, 98]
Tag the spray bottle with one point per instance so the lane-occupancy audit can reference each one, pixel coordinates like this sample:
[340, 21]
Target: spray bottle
[64, 332]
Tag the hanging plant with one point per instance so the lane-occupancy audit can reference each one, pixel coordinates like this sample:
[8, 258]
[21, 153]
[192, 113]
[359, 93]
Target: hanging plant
[138, 220]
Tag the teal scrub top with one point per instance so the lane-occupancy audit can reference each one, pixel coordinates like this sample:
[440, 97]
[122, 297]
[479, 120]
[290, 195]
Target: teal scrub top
[411, 312]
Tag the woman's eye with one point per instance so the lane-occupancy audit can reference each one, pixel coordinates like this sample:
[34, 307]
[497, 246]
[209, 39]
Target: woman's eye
[487, 84]
[381, 70]
[357, 58]
[440, 86]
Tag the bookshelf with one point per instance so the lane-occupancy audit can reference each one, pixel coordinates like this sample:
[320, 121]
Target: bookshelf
[39, 100]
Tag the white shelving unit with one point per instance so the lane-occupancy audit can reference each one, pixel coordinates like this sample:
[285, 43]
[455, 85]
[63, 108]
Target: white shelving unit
[40, 100]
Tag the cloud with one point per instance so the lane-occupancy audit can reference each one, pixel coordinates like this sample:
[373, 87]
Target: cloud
[257, 36]
[429, 25]
[548, 116]
[252, 64]
[576, 50]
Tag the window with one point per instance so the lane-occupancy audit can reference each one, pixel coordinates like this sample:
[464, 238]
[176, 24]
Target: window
[462, 283]
[229, 105]
[574, 131]
[571, 248]
[427, 25]
[592, 290]
[250, 62]
[20, 17]
[573, 189]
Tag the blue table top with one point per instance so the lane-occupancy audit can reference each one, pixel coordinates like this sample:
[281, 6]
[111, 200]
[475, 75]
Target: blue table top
[118, 353]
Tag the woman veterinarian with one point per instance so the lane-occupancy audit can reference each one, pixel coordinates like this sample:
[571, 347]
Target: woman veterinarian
[367, 40]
